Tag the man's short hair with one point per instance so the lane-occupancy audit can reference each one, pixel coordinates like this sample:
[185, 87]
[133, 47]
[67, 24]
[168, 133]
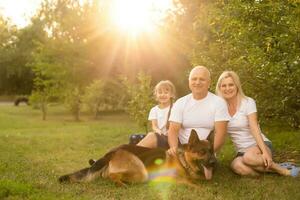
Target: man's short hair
[197, 68]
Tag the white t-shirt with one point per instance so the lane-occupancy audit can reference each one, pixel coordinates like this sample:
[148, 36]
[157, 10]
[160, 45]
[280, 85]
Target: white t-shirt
[198, 114]
[161, 116]
[238, 126]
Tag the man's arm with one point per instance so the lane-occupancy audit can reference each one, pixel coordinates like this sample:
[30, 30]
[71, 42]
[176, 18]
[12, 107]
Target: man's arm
[220, 134]
[173, 133]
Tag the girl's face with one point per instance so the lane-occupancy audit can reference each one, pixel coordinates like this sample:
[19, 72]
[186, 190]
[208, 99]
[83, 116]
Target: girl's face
[228, 88]
[163, 96]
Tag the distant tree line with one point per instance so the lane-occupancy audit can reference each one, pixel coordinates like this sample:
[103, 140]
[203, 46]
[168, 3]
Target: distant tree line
[71, 53]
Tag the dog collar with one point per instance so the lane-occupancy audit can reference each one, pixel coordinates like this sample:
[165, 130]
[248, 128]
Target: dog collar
[184, 163]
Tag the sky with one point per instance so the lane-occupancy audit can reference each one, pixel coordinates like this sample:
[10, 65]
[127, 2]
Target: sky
[132, 16]
[19, 11]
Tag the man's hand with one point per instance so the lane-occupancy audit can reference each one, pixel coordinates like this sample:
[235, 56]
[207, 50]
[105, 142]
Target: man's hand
[172, 151]
[173, 133]
[220, 134]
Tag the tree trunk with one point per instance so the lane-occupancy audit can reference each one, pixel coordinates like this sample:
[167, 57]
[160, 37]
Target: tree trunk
[44, 110]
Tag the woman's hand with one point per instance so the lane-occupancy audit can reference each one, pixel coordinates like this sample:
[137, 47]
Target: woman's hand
[267, 159]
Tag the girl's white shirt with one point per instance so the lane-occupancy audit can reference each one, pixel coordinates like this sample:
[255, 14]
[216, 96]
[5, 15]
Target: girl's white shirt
[161, 115]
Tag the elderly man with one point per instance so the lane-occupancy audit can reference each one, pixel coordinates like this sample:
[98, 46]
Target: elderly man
[200, 110]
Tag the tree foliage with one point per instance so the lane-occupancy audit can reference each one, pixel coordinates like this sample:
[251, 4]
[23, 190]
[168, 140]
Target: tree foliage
[63, 57]
[140, 99]
[71, 43]
[94, 97]
[17, 46]
[260, 41]
[73, 101]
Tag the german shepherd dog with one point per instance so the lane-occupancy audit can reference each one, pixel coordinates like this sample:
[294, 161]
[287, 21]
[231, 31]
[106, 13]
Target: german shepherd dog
[132, 164]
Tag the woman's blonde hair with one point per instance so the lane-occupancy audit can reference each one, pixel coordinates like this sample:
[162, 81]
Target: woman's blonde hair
[167, 85]
[236, 80]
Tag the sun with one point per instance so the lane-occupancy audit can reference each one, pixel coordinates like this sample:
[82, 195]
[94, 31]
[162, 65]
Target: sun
[136, 16]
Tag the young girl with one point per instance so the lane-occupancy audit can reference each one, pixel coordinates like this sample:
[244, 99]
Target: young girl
[164, 93]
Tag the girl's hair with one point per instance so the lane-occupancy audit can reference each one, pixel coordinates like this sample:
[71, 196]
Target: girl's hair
[236, 80]
[167, 85]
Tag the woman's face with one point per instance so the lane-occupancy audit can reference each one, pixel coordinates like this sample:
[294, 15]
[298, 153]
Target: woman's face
[228, 88]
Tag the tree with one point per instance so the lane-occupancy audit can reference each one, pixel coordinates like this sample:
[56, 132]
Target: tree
[260, 41]
[49, 81]
[63, 57]
[94, 97]
[140, 99]
[17, 46]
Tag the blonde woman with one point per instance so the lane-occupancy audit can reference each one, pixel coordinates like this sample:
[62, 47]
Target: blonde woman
[254, 150]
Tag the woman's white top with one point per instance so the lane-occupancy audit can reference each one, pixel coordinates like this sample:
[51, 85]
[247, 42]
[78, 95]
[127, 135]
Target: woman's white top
[161, 116]
[239, 128]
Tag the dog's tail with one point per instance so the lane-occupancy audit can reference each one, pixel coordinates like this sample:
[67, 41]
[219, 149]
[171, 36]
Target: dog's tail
[99, 164]
[74, 177]
[89, 173]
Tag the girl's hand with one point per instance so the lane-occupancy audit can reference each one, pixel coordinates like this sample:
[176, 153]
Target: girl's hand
[159, 131]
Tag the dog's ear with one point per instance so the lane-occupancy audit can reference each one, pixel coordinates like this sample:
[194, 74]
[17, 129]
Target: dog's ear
[211, 138]
[193, 137]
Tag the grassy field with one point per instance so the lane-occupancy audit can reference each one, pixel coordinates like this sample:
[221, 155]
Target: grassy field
[34, 153]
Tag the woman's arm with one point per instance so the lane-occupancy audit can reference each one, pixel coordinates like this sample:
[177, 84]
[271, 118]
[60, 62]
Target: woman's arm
[255, 131]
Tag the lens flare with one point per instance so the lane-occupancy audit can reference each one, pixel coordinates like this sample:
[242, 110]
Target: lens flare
[136, 16]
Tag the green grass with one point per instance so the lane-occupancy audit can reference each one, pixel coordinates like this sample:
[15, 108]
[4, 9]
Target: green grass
[34, 153]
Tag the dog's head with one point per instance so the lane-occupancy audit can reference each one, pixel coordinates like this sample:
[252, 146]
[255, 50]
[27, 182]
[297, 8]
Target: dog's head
[199, 153]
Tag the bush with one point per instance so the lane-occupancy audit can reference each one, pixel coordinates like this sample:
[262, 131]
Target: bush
[140, 99]
[94, 96]
[39, 100]
[73, 101]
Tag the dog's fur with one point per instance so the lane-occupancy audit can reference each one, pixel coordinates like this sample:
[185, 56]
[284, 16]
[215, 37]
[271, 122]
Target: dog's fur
[131, 163]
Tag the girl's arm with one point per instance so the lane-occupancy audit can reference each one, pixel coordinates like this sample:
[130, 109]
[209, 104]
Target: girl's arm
[155, 126]
[255, 131]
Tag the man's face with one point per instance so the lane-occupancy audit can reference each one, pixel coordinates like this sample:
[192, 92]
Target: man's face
[199, 81]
